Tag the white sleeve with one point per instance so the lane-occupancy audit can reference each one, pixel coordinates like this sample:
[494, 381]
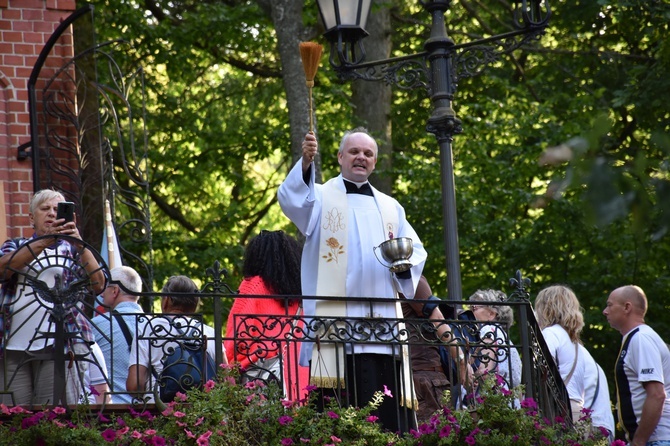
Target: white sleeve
[647, 359]
[297, 199]
[98, 370]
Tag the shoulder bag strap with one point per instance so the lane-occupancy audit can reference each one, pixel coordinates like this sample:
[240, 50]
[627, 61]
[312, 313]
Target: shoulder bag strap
[124, 327]
[595, 395]
[574, 365]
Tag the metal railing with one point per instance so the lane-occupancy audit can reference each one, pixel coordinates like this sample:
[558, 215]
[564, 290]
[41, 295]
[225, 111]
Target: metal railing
[270, 344]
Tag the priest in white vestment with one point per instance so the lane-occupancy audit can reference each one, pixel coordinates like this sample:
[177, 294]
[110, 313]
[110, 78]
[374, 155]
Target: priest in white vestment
[343, 221]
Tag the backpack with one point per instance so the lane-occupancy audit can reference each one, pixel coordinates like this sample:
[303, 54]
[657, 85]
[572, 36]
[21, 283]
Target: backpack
[185, 367]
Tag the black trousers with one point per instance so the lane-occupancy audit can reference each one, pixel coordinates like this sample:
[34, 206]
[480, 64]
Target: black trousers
[366, 374]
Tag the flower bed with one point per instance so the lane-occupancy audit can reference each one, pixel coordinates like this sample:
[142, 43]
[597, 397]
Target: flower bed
[227, 413]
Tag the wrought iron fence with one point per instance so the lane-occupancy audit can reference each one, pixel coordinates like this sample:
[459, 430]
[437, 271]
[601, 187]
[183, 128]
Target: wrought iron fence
[172, 347]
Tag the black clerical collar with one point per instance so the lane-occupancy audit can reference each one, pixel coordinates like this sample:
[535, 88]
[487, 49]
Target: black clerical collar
[352, 188]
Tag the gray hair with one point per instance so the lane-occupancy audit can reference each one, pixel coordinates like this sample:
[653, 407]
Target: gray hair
[43, 196]
[504, 313]
[128, 278]
[182, 284]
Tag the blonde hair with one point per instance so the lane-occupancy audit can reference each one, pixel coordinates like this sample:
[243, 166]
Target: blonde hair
[558, 305]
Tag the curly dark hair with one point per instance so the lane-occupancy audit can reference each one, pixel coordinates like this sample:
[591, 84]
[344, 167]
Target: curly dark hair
[275, 257]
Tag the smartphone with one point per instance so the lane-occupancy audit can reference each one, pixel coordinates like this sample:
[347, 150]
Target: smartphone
[65, 210]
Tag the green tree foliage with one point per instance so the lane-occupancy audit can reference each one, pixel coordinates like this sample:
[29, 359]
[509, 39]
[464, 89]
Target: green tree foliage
[595, 83]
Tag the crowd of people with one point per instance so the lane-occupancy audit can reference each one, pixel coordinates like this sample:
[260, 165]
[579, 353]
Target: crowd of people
[124, 354]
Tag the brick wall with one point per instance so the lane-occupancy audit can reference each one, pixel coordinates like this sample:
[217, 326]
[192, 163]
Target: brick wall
[25, 26]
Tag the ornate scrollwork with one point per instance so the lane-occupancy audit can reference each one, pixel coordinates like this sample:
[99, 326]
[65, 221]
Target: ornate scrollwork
[404, 73]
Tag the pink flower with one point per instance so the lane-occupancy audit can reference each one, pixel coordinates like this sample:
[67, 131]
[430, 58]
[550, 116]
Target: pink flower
[4, 409]
[335, 439]
[445, 431]
[310, 388]
[203, 440]
[179, 414]
[18, 409]
[529, 403]
[286, 442]
[209, 385]
[168, 411]
[109, 435]
[426, 429]
[371, 419]
[136, 435]
[150, 432]
[159, 441]
[387, 392]
[285, 419]
[121, 432]
[199, 421]
[333, 415]
[180, 397]
[618, 443]
[189, 434]
[93, 391]
[58, 410]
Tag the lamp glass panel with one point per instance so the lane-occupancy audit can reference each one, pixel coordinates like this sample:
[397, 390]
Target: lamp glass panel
[354, 12]
[327, 8]
[365, 10]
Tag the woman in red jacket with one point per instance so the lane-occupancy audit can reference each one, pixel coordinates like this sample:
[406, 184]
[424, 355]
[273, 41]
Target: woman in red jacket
[260, 334]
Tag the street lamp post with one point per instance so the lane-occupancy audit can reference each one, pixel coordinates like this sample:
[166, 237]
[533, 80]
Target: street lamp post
[437, 69]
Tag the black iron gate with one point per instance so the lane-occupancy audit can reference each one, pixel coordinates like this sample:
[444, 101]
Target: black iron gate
[88, 137]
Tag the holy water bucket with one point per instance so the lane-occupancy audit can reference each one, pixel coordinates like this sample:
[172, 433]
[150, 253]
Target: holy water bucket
[396, 252]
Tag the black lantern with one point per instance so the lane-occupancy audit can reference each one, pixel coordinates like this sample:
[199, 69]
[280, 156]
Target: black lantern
[345, 21]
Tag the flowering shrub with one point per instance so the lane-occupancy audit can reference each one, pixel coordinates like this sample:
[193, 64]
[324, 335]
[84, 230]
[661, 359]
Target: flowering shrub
[498, 421]
[227, 413]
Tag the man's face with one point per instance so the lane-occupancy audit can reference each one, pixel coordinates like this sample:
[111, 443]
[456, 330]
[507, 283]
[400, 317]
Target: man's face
[358, 157]
[614, 311]
[109, 295]
[44, 215]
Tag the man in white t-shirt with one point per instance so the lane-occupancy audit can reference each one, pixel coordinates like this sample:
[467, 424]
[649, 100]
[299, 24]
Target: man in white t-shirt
[158, 337]
[642, 370]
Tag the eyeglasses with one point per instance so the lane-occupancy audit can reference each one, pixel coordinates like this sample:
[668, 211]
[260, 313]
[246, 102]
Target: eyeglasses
[476, 307]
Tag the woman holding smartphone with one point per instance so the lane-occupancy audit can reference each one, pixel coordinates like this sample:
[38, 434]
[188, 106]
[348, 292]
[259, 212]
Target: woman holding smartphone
[36, 272]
